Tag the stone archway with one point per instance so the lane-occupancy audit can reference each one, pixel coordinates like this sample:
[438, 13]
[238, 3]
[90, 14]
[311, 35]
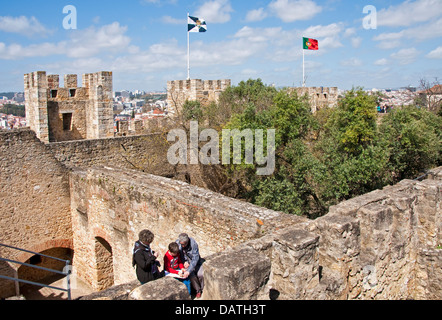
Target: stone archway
[104, 264]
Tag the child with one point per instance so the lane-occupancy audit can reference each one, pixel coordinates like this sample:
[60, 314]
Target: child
[173, 265]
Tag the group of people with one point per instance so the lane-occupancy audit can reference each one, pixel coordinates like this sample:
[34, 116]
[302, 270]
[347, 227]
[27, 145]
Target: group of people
[384, 109]
[182, 261]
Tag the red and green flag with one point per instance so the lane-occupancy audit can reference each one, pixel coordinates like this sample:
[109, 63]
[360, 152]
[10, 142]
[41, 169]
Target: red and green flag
[310, 44]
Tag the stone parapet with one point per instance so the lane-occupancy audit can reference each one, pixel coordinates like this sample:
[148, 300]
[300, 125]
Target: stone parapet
[240, 274]
[207, 91]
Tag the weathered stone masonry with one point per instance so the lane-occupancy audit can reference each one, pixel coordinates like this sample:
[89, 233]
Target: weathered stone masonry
[383, 245]
[116, 204]
[72, 112]
[34, 200]
[207, 91]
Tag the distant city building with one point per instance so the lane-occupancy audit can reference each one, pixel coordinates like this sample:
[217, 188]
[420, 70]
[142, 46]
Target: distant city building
[19, 97]
[125, 94]
[432, 97]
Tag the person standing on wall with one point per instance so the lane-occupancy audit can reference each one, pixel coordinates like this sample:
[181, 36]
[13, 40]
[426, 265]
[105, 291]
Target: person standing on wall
[145, 259]
[190, 255]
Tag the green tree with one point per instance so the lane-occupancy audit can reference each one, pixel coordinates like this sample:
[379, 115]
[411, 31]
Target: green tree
[331, 156]
[353, 160]
[192, 111]
[413, 138]
[16, 110]
[236, 99]
[289, 188]
[354, 121]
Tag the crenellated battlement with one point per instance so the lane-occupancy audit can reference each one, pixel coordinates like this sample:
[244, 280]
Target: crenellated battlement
[71, 112]
[205, 91]
[198, 84]
[320, 97]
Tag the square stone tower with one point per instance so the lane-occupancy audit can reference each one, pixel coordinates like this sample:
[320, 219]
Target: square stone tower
[178, 91]
[72, 112]
[320, 97]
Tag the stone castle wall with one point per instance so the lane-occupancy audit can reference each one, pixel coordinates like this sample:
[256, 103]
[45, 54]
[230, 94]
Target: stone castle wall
[207, 91]
[146, 153]
[383, 245]
[34, 200]
[116, 205]
[320, 97]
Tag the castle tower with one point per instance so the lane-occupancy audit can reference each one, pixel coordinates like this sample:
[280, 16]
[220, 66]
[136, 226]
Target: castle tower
[99, 111]
[36, 96]
[178, 91]
[72, 112]
[320, 97]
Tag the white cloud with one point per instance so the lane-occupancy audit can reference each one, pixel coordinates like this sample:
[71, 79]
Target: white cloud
[277, 44]
[216, 11]
[249, 72]
[389, 36]
[349, 32]
[425, 31]
[23, 25]
[352, 62]
[381, 62]
[405, 56]
[328, 35]
[409, 13]
[91, 41]
[171, 20]
[161, 56]
[320, 31]
[16, 51]
[356, 42]
[254, 35]
[422, 32]
[294, 10]
[82, 44]
[435, 54]
[389, 44]
[256, 15]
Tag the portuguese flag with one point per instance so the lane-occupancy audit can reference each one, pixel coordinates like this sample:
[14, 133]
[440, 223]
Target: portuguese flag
[310, 44]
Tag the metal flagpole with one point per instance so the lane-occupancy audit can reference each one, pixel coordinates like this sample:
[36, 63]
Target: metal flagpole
[188, 50]
[303, 67]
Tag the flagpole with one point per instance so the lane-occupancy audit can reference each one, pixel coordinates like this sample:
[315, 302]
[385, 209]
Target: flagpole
[188, 51]
[303, 67]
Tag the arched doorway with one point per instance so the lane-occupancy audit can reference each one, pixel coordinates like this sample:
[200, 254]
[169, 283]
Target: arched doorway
[104, 264]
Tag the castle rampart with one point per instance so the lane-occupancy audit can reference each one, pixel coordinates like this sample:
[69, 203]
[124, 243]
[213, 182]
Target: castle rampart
[207, 91]
[382, 245]
[320, 97]
[34, 200]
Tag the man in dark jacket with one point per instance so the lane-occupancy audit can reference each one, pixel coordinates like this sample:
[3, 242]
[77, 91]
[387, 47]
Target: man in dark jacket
[145, 259]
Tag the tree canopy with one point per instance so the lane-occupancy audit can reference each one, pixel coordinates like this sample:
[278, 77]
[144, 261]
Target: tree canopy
[322, 158]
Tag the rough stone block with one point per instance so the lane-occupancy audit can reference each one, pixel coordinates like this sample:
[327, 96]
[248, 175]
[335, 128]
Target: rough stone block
[120, 292]
[295, 263]
[236, 275]
[166, 288]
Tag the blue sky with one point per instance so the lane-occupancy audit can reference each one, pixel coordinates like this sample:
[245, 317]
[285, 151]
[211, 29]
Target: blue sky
[144, 42]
